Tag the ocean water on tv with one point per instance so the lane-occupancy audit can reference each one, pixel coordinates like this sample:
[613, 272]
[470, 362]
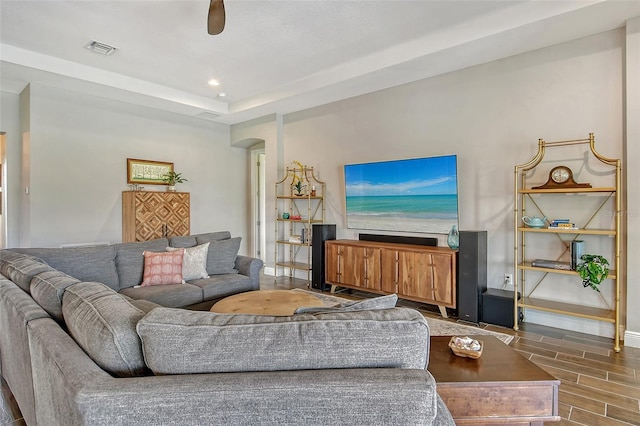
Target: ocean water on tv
[440, 207]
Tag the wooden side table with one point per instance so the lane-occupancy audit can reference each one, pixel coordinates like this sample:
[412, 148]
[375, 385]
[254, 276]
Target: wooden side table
[501, 387]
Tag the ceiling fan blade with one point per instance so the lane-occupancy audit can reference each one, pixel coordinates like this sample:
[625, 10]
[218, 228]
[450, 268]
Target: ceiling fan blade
[215, 20]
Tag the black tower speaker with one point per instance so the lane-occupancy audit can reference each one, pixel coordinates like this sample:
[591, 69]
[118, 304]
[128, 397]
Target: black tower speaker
[319, 234]
[472, 274]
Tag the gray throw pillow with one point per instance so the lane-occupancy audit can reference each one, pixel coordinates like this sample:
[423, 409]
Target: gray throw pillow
[383, 302]
[221, 258]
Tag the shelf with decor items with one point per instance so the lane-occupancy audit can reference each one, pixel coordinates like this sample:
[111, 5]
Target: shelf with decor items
[299, 204]
[598, 208]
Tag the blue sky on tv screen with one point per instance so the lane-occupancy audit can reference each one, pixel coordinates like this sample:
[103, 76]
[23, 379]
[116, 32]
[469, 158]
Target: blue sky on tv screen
[419, 176]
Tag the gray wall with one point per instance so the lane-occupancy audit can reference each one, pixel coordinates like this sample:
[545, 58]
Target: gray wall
[491, 116]
[76, 167]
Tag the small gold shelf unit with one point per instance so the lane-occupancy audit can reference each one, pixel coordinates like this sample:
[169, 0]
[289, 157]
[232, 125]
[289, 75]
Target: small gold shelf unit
[291, 250]
[523, 194]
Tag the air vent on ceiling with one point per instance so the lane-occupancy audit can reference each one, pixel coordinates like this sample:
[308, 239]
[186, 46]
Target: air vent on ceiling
[207, 115]
[101, 48]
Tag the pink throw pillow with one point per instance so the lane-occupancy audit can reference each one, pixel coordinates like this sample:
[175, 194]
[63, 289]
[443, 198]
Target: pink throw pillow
[162, 268]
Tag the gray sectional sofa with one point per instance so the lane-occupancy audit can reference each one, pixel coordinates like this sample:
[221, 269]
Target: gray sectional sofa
[81, 343]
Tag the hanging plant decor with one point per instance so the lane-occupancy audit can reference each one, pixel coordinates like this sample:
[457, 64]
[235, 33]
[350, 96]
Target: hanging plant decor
[593, 270]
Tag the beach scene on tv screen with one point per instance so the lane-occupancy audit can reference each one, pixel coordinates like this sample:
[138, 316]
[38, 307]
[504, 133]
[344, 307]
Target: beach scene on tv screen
[414, 195]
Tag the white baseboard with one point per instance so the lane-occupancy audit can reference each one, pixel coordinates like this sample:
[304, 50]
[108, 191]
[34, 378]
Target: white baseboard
[283, 272]
[632, 339]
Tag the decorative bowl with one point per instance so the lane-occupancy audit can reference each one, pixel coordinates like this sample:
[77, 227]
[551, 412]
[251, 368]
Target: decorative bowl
[466, 347]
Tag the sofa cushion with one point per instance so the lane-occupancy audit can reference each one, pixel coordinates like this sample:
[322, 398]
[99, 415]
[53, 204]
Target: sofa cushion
[144, 305]
[162, 268]
[208, 343]
[210, 237]
[183, 241]
[194, 263]
[191, 240]
[90, 263]
[221, 257]
[21, 268]
[218, 286]
[47, 289]
[130, 261]
[103, 323]
[173, 296]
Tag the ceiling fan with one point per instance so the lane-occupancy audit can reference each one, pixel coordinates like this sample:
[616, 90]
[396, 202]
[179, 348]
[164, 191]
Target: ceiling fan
[215, 20]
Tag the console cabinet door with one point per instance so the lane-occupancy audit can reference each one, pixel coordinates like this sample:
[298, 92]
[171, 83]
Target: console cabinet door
[415, 275]
[332, 262]
[443, 280]
[419, 275]
[353, 265]
[389, 259]
[361, 267]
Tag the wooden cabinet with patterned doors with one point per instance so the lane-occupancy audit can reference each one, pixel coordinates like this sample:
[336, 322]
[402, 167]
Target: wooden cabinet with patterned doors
[147, 215]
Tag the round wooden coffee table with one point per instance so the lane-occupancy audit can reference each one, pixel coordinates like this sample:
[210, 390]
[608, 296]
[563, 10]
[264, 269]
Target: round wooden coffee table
[266, 302]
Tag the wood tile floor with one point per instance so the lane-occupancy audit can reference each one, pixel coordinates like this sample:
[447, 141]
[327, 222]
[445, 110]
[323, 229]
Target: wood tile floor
[598, 386]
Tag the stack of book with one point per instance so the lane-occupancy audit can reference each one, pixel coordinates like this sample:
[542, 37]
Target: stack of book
[562, 224]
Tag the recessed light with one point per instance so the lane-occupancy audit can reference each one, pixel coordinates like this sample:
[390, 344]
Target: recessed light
[214, 82]
[222, 95]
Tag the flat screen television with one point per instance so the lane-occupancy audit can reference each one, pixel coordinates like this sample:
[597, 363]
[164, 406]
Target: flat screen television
[412, 195]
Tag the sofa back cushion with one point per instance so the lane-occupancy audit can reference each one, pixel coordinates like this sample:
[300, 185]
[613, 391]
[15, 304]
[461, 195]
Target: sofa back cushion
[91, 263]
[130, 260]
[21, 268]
[177, 341]
[221, 257]
[191, 240]
[103, 323]
[47, 289]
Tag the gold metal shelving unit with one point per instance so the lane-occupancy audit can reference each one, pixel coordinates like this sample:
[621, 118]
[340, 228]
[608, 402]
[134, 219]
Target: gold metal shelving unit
[308, 205]
[523, 195]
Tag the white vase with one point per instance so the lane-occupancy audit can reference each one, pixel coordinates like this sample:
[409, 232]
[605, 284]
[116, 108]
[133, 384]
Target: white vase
[171, 188]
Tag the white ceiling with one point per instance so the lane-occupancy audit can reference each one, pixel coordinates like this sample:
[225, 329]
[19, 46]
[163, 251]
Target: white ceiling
[274, 56]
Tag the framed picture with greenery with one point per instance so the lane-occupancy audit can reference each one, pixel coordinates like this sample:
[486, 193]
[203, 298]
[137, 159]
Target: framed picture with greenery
[147, 171]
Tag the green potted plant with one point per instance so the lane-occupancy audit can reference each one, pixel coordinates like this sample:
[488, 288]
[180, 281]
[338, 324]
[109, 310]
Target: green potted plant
[298, 187]
[171, 178]
[593, 270]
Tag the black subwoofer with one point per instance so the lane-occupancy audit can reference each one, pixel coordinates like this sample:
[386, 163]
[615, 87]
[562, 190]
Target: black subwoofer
[472, 274]
[497, 307]
[319, 234]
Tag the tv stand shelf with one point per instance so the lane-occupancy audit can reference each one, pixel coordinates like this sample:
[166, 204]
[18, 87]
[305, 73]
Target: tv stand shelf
[419, 273]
